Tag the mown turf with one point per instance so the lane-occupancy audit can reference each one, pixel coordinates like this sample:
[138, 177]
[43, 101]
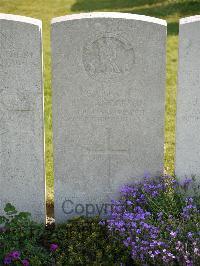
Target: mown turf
[170, 10]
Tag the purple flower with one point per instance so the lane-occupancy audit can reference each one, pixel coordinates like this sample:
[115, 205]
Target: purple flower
[102, 223]
[15, 255]
[138, 231]
[25, 262]
[154, 194]
[53, 247]
[129, 203]
[7, 260]
[189, 200]
[157, 252]
[133, 219]
[173, 234]
[147, 175]
[196, 251]
[187, 181]
[134, 225]
[160, 215]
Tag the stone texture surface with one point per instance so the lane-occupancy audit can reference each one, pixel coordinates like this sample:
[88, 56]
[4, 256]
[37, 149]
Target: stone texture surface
[188, 99]
[21, 116]
[108, 106]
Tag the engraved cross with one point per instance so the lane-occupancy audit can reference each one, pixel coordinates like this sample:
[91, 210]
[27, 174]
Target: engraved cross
[109, 152]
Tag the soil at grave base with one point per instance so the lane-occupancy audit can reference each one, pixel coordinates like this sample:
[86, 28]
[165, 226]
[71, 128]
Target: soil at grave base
[50, 211]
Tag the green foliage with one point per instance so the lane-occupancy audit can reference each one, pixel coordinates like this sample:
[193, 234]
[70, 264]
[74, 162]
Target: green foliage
[173, 218]
[83, 241]
[19, 233]
[171, 10]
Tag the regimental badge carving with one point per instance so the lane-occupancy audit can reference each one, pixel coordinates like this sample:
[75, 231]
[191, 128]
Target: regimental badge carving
[108, 57]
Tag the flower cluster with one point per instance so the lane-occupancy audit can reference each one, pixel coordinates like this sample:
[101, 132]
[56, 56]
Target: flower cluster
[15, 256]
[22, 240]
[156, 223]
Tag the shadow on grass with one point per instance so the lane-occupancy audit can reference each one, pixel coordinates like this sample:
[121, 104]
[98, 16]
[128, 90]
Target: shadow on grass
[172, 28]
[164, 9]
[179, 9]
[92, 5]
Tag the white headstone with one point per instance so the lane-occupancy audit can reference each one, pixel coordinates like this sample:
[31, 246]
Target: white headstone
[108, 106]
[21, 116]
[188, 99]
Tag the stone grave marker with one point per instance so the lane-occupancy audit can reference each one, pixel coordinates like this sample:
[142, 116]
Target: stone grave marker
[108, 107]
[188, 99]
[22, 180]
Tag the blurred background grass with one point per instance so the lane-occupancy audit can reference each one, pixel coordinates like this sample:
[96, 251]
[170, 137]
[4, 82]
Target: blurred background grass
[171, 10]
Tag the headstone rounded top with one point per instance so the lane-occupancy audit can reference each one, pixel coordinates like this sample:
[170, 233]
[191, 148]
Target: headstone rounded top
[109, 15]
[190, 19]
[22, 19]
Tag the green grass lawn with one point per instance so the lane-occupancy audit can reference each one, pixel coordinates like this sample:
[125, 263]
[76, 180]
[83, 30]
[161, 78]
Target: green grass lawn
[170, 10]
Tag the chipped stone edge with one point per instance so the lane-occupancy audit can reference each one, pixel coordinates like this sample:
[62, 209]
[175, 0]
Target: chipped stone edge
[119, 15]
[22, 19]
[189, 19]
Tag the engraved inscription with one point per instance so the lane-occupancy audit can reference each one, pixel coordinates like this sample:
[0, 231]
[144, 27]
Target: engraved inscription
[16, 100]
[9, 56]
[12, 102]
[108, 57]
[102, 109]
[193, 114]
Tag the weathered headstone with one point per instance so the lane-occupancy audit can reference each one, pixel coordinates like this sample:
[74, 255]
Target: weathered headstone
[108, 106]
[21, 116]
[188, 99]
